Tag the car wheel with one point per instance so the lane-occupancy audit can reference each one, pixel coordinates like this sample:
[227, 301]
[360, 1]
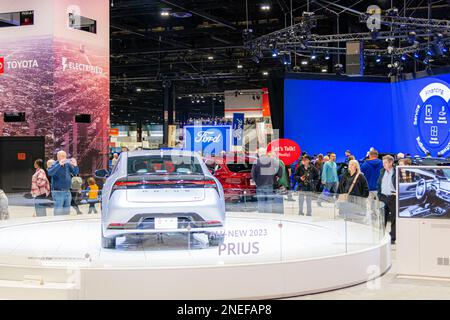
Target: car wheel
[108, 243]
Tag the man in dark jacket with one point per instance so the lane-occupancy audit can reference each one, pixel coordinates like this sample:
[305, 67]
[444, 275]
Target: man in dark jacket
[387, 183]
[61, 173]
[265, 173]
[371, 169]
[307, 177]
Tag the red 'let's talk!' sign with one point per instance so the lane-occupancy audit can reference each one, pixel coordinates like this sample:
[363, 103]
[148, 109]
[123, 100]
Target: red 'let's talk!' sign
[286, 150]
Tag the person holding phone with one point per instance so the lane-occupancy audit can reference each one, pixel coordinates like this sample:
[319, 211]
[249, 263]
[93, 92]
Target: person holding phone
[61, 173]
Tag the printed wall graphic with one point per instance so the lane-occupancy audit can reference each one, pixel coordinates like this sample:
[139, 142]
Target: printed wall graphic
[424, 192]
[53, 73]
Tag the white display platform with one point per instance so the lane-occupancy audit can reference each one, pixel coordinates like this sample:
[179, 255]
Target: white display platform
[263, 256]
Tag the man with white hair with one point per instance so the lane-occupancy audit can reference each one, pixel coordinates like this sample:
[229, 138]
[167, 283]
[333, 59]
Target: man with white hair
[400, 156]
[61, 173]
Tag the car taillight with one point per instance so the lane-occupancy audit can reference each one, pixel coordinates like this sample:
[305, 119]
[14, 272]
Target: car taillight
[211, 184]
[209, 222]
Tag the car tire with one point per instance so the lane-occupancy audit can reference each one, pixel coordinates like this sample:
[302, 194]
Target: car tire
[108, 243]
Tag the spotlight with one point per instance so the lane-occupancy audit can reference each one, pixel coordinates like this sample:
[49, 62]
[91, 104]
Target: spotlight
[210, 58]
[255, 59]
[374, 34]
[339, 69]
[404, 57]
[239, 66]
[165, 13]
[313, 56]
[286, 59]
[304, 62]
[274, 53]
[426, 60]
[444, 50]
[265, 73]
[378, 59]
[324, 70]
[327, 56]
[429, 52]
[265, 7]
[416, 55]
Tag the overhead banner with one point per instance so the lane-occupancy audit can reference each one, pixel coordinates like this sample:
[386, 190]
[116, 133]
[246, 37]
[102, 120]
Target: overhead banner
[208, 140]
[238, 129]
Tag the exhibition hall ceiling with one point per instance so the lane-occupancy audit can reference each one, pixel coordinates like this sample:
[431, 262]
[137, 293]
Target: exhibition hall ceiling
[198, 47]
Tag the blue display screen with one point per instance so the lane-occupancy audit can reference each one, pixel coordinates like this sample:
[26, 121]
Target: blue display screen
[408, 116]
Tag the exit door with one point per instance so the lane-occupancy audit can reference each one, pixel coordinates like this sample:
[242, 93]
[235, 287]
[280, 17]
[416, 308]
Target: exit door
[17, 156]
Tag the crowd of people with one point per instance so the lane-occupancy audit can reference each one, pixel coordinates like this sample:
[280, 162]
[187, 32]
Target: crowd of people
[216, 121]
[320, 177]
[62, 185]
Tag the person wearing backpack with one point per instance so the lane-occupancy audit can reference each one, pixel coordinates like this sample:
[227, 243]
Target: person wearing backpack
[75, 191]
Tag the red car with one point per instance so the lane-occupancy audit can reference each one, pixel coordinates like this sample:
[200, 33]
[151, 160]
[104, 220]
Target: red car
[234, 173]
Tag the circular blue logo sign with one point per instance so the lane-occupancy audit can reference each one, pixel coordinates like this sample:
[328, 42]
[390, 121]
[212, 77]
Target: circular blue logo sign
[432, 119]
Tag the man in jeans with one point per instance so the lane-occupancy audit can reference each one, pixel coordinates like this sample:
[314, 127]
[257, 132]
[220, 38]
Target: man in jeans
[265, 173]
[61, 173]
[386, 193]
[330, 178]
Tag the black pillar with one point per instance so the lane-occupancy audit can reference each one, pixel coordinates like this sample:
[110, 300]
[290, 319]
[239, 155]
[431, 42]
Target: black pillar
[168, 109]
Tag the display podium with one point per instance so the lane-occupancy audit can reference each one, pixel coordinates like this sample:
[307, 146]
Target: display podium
[423, 221]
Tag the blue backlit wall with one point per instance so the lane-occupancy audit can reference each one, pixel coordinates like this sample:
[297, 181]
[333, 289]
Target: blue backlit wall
[338, 115]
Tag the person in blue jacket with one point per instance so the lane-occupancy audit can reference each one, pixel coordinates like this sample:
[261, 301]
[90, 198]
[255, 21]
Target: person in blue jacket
[61, 173]
[371, 169]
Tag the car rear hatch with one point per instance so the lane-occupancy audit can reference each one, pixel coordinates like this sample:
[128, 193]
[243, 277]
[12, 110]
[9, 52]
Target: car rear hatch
[165, 188]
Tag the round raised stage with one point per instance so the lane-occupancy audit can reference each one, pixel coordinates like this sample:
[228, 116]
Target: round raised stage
[264, 255]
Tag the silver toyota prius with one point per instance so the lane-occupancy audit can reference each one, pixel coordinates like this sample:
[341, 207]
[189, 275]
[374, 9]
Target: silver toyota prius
[161, 191]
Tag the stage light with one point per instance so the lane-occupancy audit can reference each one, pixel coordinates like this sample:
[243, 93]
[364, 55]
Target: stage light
[404, 57]
[165, 13]
[444, 50]
[426, 60]
[265, 7]
[327, 56]
[416, 55]
[210, 58]
[265, 73]
[255, 59]
[378, 59]
[286, 59]
[313, 56]
[275, 53]
[324, 70]
[239, 66]
[304, 62]
[429, 52]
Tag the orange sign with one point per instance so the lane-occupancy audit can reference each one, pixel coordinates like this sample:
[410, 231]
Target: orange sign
[21, 156]
[114, 132]
[265, 103]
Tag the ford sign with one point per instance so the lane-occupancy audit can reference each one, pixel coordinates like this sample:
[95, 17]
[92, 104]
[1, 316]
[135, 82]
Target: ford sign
[209, 140]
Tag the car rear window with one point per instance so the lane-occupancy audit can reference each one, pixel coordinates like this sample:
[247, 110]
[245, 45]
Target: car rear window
[240, 167]
[164, 165]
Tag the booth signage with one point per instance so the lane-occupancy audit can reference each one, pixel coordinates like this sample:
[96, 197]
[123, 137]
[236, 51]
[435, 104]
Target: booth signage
[238, 129]
[21, 156]
[114, 132]
[286, 150]
[209, 140]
